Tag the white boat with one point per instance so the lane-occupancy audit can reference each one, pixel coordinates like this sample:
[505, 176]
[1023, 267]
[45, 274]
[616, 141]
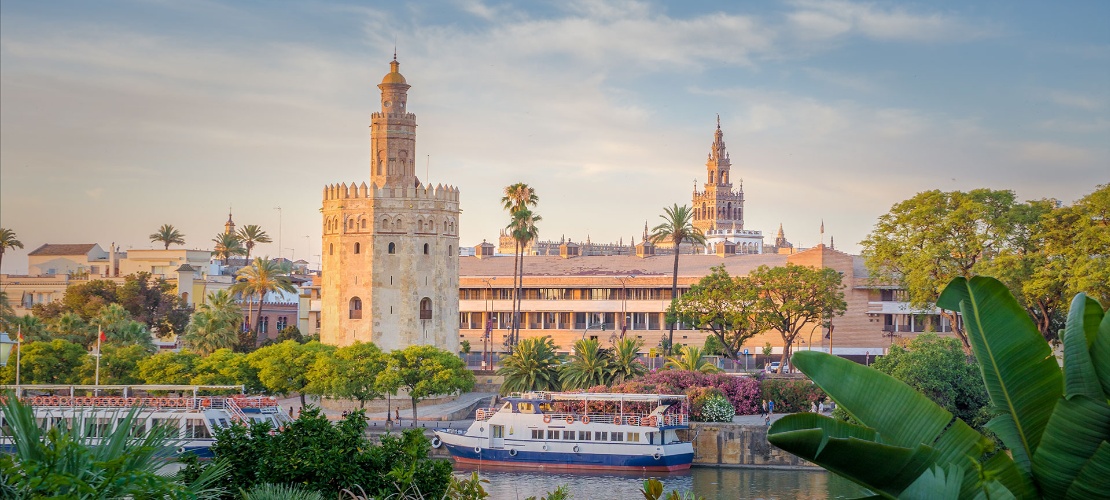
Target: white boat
[196, 411]
[576, 431]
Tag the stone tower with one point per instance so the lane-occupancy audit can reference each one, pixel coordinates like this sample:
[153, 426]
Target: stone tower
[390, 272]
[718, 207]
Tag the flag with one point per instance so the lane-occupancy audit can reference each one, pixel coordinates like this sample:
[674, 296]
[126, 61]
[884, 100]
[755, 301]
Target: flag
[103, 338]
[20, 334]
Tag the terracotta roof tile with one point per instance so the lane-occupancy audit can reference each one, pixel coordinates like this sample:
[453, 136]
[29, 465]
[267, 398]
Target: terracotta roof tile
[71, 249]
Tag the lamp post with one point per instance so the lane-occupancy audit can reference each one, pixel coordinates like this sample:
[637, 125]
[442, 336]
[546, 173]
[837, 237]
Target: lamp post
[489, 322]
[6, 345]
[624, 303]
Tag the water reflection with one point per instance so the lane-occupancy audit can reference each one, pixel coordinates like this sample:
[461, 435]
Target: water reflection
[709, 483]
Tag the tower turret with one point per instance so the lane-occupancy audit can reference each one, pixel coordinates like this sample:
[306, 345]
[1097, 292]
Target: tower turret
[393, 133]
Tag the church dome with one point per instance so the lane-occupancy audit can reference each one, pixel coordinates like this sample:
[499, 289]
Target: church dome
[394, 76]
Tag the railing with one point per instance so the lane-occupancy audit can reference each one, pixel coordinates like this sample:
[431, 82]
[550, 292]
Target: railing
[236, 413]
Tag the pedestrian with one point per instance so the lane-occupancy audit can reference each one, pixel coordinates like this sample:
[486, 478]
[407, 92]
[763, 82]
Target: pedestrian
[763, 409]
[767, 420]
[398, 410]
[821, 407]
[813, 407]
[771, 407]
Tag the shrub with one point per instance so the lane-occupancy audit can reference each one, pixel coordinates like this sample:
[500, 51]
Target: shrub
[718, 409]
[743, 393]
[791, 395]
[698, 397]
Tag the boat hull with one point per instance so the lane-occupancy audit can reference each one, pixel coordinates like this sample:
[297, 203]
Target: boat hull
[569, 460]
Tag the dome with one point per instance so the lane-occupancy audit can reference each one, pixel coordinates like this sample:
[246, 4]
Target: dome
[394, 76]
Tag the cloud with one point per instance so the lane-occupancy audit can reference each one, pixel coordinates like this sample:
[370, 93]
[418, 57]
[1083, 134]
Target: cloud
[95, 193]
[1075, 100]
[822, 20]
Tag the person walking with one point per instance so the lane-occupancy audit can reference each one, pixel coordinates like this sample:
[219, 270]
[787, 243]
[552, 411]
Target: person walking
[771, 407]
[763, 409]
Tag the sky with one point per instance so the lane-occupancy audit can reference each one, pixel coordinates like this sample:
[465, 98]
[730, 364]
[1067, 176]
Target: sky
[119, 116]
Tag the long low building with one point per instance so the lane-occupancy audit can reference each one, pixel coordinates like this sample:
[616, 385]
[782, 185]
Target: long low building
[572, 297]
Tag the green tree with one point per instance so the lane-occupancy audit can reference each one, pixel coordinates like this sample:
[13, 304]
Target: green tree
[153, 302]
[70, 327]
[215, 325]
[726, 307]
[258, 279]
[423, 371]
[1077, 241]
[938, 368]
[33, 328]
[677, 228]
[227, 246]
[8, 240]
[690, 359]
[119, 328]
[168, 368]
[251, 235]
[532, 366]
[794, 297]
[713, 346]
[927, 240]
[87, 299]
[625, 365]
[283, 368]
[589, 365]
[226, 367]
[54, 362]
[1054, 419]
[167, 234]
[119, 364]
[351, 372]
[518, 199]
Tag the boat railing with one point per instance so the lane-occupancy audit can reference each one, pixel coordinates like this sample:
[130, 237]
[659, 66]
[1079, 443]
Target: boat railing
[483, 414]
[232, 405]
[644, 419]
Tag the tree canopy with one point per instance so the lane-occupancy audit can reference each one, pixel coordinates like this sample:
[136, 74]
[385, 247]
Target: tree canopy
[794, 297]
[423, 371]
[532, 366]
[167, 234]
[727, 307]
[677, 228]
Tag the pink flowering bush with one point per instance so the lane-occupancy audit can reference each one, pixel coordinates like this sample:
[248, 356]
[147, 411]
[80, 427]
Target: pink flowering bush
[698, 396]
[744, 393]
[791, 395]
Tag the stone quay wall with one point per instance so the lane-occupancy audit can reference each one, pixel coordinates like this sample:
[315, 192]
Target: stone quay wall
[737, 445]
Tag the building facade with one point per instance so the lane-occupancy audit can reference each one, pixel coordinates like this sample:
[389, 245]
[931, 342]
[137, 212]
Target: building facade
[390, 248]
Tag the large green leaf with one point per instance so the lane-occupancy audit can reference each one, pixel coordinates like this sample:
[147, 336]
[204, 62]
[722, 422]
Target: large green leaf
[936, 483]
[1100, 354]
[1082, 328]
[1019, 370]
[1078, 426]
[1093, 480]
[902, 416]
[851, 451]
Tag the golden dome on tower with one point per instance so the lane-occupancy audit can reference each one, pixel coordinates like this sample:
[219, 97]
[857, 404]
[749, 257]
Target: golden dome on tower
[394, 76]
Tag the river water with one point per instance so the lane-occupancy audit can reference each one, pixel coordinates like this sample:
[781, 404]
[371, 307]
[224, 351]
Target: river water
[708, 482]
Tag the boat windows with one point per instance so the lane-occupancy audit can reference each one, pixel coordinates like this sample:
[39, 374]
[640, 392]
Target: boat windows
[583, 435]
[618, 436]
[171, 423]
[552, 434]
[537, 433]
[195, 429]
[633, 437]
[568, 435]
[223, 423]
[601, 436]
[497, 431]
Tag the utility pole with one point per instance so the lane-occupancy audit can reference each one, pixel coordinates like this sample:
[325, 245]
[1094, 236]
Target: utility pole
[279, 230]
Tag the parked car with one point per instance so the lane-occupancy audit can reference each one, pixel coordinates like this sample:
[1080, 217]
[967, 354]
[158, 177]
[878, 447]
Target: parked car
[773, 367]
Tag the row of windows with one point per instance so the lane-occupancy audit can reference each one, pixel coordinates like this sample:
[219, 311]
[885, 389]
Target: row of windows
[389, 224]
[391, 249]
[354, 308]
[488, 293]
[556, 435]
[477, 320]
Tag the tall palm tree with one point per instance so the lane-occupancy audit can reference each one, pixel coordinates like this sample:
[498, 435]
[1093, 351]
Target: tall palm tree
[677, 228]
[625, 365]
[261, 277]
[590, 365]
[168, 234]
[690, 358]
[228, 244]
[533, 366]
[7, 240]
[223, 305]
[251, 235]
[517, 196]
[523, 227]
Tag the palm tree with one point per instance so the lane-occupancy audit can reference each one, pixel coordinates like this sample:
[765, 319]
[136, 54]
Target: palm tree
[228, 244]
[533, 366]
[690, 359]
[8, 240]
[590, 365]
[215, 325]
[518, 196]
[524, 230]
[625, 365]
[168, 234]
[677, 228]
[261, 277]
[250, 235]
[223, 305]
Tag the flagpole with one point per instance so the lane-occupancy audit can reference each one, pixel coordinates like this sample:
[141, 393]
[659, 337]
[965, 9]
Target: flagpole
[99, 335]
[18, 356]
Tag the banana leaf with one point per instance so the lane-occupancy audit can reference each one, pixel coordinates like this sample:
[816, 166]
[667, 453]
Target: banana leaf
[1020, 373]
[1093, 480]
[1079, 425]
[1080, 332]
[1100, 354]
[936, 483]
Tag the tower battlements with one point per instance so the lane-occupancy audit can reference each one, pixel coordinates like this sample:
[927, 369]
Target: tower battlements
[439, 192]
[406, 116]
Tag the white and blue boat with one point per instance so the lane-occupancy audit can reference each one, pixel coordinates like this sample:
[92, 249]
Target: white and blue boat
[576, 431]
[196, 411]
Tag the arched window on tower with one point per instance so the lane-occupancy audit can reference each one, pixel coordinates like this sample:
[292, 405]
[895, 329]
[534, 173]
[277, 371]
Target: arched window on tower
[426, 247]
[450, 250]
[355, 308]
[392, 248]
[425, 308]
[331, 248]
[363, 224]
[358, 247]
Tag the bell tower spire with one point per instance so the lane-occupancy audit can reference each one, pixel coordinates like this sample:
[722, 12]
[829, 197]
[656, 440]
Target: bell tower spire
[718, 206]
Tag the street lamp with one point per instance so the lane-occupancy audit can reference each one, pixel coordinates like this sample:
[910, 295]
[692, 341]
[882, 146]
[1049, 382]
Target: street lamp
[489, 322]
[6, 345]
[624, 303]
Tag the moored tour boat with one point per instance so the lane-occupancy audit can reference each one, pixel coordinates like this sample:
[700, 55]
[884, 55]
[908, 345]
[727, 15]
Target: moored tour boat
[196, 411]
[576, 431]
